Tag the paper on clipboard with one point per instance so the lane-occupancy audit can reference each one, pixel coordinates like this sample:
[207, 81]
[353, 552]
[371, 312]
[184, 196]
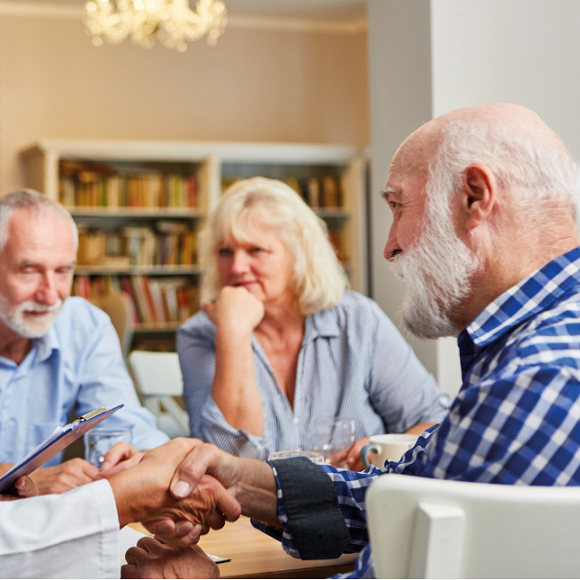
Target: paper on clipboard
[59, 440]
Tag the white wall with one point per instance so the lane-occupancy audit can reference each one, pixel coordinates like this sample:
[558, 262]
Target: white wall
[427, 57]
[400, 101]
[515, 51]
[255, 85]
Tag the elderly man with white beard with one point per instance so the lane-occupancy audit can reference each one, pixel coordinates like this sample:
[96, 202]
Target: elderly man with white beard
[484, 204]
[58, 355]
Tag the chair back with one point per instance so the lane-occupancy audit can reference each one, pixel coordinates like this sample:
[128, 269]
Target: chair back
[431, 528]
[158, 379]
[119, 307]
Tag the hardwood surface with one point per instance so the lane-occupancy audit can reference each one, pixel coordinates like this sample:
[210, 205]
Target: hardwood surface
[256, 555]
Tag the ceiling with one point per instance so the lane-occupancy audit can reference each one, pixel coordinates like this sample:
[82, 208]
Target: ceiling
[310, 9]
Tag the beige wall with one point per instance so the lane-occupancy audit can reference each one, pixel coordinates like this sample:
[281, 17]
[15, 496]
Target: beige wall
[253, 86]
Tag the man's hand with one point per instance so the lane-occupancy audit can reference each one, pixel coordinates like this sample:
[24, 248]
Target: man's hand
[250, 481]
[142, 494]
[23, 487]
[120, 457]
[152, 559]
[63, 477]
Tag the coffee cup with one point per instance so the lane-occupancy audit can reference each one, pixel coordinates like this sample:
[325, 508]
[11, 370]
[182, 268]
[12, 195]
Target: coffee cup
[391, 447]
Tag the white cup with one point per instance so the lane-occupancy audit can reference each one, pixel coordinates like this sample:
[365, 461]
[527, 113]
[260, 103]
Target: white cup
[391, 447]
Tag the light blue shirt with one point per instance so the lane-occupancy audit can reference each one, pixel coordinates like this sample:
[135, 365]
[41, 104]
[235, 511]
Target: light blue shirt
[353, 363]
[77, 366]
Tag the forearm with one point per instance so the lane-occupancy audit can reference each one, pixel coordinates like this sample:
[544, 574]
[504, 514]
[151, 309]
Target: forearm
[418, 429]
[125, 500]
[235, 389]
[256, 491]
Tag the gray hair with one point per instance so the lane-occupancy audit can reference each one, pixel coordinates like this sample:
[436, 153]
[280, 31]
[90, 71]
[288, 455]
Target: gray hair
[531, 170]
[33, 201]
[319, 279]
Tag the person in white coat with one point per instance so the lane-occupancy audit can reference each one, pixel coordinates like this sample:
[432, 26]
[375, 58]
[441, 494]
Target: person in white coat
[75, 534]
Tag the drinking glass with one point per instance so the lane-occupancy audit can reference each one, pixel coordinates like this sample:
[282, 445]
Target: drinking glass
[312, 455]
[99, 441]
[329, 436]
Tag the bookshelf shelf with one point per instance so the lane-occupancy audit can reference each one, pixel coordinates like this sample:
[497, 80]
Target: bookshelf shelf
[133, 212]
[140, 270]
[149, 328]
[142, 202]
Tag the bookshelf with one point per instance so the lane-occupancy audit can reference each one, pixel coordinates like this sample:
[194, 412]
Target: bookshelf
[139, 204]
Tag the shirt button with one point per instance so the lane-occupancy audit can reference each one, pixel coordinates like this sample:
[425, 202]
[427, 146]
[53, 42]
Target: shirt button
[296, 420]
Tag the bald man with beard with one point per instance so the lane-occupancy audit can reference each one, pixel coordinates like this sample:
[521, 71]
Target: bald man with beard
[484, 201]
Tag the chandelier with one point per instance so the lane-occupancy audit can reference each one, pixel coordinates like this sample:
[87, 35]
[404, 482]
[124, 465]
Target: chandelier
[173, 22]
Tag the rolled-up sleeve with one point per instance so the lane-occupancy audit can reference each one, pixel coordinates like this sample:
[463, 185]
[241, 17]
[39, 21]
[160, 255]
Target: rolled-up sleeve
[403, 392]
[196, 350]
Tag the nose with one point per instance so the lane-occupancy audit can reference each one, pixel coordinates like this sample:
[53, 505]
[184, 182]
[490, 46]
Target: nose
[240, 262]
[392, 247]
[47, 293]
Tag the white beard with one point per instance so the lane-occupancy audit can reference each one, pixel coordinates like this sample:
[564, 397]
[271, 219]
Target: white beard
[14, 317]
[437, 270]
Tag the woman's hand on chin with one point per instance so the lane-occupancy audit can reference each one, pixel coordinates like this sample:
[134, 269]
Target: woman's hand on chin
[235, 309]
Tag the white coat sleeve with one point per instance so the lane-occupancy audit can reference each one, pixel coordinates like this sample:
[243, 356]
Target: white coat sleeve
[71, 535]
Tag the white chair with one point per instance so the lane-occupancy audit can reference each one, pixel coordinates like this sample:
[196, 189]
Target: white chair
[158, 379]
[430, 528]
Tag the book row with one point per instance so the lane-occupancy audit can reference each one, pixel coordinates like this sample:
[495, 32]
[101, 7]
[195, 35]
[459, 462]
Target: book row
[155, 301]
[318, 193]
[169, 243]
[153, 190]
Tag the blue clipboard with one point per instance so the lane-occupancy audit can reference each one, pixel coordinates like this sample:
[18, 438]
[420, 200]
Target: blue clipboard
[61, 438]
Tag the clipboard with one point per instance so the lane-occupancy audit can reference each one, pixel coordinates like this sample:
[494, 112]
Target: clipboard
[61, 438]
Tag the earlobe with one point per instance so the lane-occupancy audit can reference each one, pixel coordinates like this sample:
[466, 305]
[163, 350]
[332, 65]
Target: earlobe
[479, 194]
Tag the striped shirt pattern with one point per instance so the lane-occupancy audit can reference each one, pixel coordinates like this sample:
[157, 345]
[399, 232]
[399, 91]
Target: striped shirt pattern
[516, 419]
[353, 364]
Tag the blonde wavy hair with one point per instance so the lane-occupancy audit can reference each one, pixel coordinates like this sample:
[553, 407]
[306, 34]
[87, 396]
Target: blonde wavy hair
[252, 204]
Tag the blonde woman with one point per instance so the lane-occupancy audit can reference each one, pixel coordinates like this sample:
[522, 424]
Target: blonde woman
[280, 341]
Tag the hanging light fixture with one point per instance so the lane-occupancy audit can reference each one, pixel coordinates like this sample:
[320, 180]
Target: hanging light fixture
[173, 22]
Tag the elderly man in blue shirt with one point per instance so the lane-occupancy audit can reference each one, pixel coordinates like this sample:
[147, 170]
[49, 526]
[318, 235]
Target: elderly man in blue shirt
[485, 202]
[57, 354]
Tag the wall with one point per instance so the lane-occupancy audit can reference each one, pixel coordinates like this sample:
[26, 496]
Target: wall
[255, 85]
[428, 57]
[515, 51]
[400, 101]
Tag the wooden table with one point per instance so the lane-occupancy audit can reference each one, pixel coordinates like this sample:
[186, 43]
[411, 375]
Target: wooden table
[257, 555]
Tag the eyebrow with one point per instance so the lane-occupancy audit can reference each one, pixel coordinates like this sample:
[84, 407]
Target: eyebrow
[387, 193]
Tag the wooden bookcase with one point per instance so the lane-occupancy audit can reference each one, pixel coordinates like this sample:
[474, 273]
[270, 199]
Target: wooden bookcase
[213, 165]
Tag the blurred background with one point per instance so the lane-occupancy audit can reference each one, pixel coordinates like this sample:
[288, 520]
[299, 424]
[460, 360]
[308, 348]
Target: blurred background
[356, 73]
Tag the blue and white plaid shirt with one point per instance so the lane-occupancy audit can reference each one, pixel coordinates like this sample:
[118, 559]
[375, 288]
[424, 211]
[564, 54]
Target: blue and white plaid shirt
[516, 419]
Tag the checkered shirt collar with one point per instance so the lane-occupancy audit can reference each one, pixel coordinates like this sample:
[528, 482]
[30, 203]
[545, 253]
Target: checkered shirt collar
[524, 300]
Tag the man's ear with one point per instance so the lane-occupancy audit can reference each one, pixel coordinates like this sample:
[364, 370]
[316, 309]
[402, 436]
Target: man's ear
[479, 195]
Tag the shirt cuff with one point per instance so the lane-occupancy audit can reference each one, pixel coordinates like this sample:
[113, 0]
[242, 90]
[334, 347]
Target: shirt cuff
[313, 518]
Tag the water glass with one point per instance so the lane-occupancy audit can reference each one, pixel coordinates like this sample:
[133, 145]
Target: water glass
[312, 455]
[99, 441]
[329, 436]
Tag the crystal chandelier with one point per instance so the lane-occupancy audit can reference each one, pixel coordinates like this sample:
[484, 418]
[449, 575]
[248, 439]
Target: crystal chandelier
[171, 21]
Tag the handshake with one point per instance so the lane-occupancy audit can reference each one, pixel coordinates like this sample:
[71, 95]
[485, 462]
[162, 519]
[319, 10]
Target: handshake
[180, 491]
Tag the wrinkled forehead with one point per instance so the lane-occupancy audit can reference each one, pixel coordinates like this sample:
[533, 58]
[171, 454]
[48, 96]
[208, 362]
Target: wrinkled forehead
[418, 150]
[39, 230]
